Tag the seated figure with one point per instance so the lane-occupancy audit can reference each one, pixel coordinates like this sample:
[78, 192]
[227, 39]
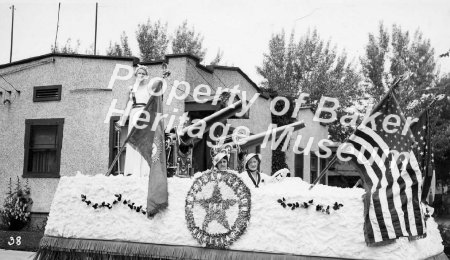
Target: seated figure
[220, 161]
[252, 176]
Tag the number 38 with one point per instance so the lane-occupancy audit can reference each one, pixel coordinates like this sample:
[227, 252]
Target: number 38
[16, 241]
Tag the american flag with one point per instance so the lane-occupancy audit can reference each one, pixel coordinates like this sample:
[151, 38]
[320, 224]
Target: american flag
[392, 182]
[423, 151]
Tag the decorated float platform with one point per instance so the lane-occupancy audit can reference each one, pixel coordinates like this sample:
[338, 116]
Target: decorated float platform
[214, 215]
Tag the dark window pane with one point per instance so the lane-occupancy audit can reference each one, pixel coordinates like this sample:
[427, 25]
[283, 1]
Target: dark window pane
[118, 139]
[313, 167]
[313, 162]
[299, 165]
[313, 176]
[323, 164]
[43, 147]
[42, 161]
[43, 136]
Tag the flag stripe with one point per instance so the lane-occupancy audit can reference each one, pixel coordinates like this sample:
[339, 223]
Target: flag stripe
[379, 196]
[384, 191]
[396, 189]
[404, 201]
[393, 183]
[416, 188]
[379, 231]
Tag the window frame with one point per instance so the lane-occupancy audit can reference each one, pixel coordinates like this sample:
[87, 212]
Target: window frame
[112, 146]
[314, 168]
[299, 164]
[59, 122]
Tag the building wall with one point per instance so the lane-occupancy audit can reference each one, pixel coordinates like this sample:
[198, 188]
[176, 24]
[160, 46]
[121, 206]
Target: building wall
[313, 130]
[260, 117]
[177, 68]
[85, 144]
[85, 101]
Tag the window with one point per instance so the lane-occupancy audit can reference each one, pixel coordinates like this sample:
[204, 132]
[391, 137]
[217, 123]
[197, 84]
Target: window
[299, 162]
[116, 139]
[47, 93]
[313, 167]
[43, 142]
[323, 164]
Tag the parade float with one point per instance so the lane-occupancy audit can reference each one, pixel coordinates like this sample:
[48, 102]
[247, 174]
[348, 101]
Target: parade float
[215, 215]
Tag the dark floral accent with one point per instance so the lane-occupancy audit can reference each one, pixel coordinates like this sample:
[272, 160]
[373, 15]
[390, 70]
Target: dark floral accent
[103, 204]
[319, 207]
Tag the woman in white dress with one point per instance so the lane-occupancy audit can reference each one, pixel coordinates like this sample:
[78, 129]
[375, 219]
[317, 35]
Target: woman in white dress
[252, 176]
[135, 164]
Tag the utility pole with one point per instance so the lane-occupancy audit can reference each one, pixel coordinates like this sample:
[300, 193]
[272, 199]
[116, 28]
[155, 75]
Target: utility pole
[12, 33]
[95, 40]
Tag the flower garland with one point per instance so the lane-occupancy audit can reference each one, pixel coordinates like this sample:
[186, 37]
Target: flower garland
[217, 208]
[319, 207]
[130, 204]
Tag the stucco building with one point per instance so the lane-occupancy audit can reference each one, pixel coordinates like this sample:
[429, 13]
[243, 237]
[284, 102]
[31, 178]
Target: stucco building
[57, 122]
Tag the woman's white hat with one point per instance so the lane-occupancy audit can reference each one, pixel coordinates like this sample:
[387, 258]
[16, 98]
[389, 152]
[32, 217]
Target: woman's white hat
[219, 157]
[140, 67]
[250, 156]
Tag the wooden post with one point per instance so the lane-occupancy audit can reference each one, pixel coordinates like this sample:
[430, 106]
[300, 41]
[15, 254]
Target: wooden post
[57, 28]
[95, 39]
[12, 34]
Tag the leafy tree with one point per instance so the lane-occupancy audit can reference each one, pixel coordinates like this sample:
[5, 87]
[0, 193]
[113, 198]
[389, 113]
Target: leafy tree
[311, 66]
[217, 60]
[89, 50]
[67, 48]
[122, 49]
[389, 57]
[187, 41]
[114, 50]
[152, 40]
[125, 47]
[440, 122]
[374, 62]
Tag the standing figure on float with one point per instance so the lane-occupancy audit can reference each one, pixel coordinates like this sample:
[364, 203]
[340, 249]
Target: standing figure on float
[252, 176]
[135, 164]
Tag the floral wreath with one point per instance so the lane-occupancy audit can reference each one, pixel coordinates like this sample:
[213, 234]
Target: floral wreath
[215, 199]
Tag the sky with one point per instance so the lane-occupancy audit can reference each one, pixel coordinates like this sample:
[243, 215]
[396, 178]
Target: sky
[241, 29]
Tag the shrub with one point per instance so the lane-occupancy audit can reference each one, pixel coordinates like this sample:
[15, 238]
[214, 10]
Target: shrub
[16, 207]
[445, 234]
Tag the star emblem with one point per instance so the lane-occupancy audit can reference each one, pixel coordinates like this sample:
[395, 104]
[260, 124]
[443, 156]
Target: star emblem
[216, 207]
[217, 193]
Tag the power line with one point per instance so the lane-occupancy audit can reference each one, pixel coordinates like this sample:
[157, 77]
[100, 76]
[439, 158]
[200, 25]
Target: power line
[9, 83]
[201, 75]
[9, 92]
[220, 80]
[5, 89]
